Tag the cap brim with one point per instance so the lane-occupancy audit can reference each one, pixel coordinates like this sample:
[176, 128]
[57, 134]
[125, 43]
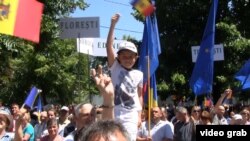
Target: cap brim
[125, 49]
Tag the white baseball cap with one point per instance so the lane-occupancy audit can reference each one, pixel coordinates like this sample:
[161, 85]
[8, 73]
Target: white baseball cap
[65, 108]
[127, 46]
[237, 116]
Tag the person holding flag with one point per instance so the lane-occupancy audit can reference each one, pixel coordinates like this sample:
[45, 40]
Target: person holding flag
[24, 131]
[128, 82]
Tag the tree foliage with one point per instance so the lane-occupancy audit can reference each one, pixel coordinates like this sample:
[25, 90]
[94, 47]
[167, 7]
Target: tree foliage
[181, 25]
[53, 65]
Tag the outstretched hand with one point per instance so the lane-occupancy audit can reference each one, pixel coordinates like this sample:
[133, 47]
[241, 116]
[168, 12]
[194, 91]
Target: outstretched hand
[104, 85]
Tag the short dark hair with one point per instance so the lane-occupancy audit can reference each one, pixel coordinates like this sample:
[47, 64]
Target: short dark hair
[15, 104]
[101, 129]
[52, 121]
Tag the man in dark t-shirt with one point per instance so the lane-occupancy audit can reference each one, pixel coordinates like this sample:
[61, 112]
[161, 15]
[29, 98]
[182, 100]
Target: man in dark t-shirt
[184, 129]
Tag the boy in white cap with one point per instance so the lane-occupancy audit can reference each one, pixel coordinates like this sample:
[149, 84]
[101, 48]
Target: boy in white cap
[128, 82]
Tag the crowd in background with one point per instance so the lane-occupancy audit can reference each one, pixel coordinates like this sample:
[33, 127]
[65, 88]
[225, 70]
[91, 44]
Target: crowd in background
[58, 122]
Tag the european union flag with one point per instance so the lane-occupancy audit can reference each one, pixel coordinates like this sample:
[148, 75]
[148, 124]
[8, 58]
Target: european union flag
[148, 60]
[150, 48]
[243, 75]
[31, 97]
[201, 80]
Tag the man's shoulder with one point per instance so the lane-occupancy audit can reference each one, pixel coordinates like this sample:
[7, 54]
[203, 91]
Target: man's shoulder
[168, 123]
[70, 137]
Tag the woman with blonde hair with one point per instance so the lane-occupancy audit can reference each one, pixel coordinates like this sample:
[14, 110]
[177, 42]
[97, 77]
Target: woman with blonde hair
[24, 131]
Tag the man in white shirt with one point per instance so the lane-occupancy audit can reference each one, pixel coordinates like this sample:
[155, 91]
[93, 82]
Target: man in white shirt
[159, 130]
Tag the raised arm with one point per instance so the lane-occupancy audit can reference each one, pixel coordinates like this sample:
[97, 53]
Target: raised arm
[110, 40]
[223, 96]
[106, 89]
[18, 126]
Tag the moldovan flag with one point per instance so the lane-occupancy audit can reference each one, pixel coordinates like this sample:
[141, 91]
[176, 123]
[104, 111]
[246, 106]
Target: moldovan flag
[143, 6]
[148, 60]
[21, 18]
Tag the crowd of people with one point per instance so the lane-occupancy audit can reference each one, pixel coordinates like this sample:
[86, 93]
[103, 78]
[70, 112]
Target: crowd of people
[86, 122]
[122, 116]
[63, 124]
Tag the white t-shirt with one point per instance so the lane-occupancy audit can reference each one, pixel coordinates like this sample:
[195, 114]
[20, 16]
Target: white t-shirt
[127, 103]
[159, 131]
[126, 83]
[70, 136]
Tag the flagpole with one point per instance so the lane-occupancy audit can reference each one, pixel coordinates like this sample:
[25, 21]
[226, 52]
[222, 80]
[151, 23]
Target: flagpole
[89, 79]
[22, 106]
[39, 107]
[78, 69]
[149, 97]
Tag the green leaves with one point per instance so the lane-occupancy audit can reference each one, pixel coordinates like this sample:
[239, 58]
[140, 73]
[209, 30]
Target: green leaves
[49, 65]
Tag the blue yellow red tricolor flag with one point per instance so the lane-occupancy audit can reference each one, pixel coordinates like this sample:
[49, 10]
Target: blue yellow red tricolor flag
[148, 59]
[201, 81]
[143, 6]
[21, 18]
